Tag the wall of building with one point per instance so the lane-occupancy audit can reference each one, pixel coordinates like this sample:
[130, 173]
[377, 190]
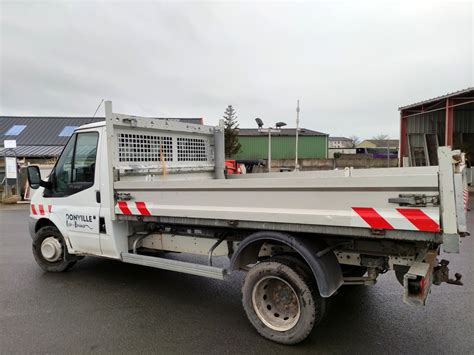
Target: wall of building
[362, 161]
[344, 144]
[435, 123]
[283, 147]
[332, 151]
[366, 144]
[357, 161]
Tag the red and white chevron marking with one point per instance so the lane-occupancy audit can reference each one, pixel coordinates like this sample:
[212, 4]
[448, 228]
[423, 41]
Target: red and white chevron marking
[38, 210]
[466, 197]
[132, 208]
[398, 218]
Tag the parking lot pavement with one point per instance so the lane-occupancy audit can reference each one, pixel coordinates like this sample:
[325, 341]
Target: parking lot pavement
[106, 306]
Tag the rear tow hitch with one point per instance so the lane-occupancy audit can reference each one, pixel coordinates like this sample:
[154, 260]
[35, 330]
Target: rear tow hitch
[441, 274]
[422, 274]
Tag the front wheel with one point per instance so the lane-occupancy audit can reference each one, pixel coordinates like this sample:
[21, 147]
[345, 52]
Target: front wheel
[50, 252]
[281, 301]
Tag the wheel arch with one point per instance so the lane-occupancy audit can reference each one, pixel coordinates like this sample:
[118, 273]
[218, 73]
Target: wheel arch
[36, 224]
[324, 266]
[43, 222]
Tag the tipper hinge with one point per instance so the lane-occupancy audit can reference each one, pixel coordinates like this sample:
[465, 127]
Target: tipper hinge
[415, 200]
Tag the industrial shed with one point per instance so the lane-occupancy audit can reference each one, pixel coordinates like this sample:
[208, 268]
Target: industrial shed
[311, 144]
[444, 120]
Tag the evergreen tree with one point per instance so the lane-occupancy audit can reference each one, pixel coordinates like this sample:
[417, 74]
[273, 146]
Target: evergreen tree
[231, 131]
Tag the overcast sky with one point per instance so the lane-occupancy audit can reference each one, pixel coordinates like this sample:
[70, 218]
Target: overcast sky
[351, 65]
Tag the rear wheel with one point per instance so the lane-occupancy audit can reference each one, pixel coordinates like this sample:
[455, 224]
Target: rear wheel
[282, 301]
[50, 252]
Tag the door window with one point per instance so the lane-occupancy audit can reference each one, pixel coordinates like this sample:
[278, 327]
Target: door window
[84, 158]
[75, 169]
[61, 176]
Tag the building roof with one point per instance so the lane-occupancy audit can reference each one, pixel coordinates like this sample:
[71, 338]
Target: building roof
[40, 131]
[283, 132]
[469, 90]
[382, 143]
[340, 139]
[34, 151]
[46, 136]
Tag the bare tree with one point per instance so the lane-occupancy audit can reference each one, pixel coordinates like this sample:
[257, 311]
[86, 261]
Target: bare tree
[354, 141]
[381, 137]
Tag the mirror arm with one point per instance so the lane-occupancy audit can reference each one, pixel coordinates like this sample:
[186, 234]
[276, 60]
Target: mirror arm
[46, 184]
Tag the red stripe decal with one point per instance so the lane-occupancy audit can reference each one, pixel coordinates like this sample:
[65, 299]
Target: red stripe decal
[142, 208]
[419, 219]
[33, 209]
[50, 208]
[41, 209]
[373, 219]
[124, 207]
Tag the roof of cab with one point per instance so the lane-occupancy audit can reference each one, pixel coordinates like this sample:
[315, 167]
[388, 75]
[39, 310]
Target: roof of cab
[91, 125]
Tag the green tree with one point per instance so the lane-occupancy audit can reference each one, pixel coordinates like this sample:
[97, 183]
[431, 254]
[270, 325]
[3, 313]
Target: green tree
[231, 132]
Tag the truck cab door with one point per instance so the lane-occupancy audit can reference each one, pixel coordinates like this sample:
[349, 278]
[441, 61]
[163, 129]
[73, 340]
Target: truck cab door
[72, 197]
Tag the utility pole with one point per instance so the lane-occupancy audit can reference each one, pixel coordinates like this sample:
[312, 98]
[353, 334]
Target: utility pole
[297, 129]
[269, 149]
[388, 154]
[269, 130]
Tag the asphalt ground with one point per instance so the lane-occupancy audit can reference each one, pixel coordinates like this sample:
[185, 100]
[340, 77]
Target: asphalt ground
[105, 306]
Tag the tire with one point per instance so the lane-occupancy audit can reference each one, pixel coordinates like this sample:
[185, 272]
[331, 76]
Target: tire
[297, 262]
[287, 321]
[305, 271]
[61, 260]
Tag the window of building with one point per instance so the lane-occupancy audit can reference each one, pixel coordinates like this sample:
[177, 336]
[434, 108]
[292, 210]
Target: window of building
[15, 130]
[67, 131]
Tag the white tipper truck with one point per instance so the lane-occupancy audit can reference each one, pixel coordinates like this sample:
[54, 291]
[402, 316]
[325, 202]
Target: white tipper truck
[138, 189]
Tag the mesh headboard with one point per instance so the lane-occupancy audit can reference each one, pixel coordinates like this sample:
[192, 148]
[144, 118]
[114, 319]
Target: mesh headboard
[152, 145]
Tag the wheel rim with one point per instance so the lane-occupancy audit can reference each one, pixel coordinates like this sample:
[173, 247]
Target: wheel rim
[276, 303]
[51, 249]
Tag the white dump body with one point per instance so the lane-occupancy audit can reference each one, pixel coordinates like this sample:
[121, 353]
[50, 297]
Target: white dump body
[171, 171]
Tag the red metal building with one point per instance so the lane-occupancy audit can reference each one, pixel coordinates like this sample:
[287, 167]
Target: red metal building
[444, 120]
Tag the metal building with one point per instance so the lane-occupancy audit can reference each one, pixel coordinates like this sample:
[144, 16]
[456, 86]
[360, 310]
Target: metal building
[311, 144]
[444, 120]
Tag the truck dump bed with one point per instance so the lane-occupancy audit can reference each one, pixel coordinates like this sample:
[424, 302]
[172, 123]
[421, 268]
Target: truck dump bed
[174, 172]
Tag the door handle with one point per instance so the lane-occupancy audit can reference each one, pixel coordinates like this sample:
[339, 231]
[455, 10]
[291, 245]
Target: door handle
[97, 196]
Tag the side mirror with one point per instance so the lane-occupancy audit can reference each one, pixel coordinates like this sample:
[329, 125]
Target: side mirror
[34, 176]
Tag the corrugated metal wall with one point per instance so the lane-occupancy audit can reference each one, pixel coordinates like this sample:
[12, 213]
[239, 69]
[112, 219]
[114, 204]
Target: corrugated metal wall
[283, 147]
[464, 120]
[434, 123]
[431, 122]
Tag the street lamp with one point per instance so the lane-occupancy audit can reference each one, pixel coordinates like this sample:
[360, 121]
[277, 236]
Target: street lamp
[269, 130]
[296, 134]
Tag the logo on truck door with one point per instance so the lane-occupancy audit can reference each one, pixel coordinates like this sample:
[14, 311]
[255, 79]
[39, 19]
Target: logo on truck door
[82, 222]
